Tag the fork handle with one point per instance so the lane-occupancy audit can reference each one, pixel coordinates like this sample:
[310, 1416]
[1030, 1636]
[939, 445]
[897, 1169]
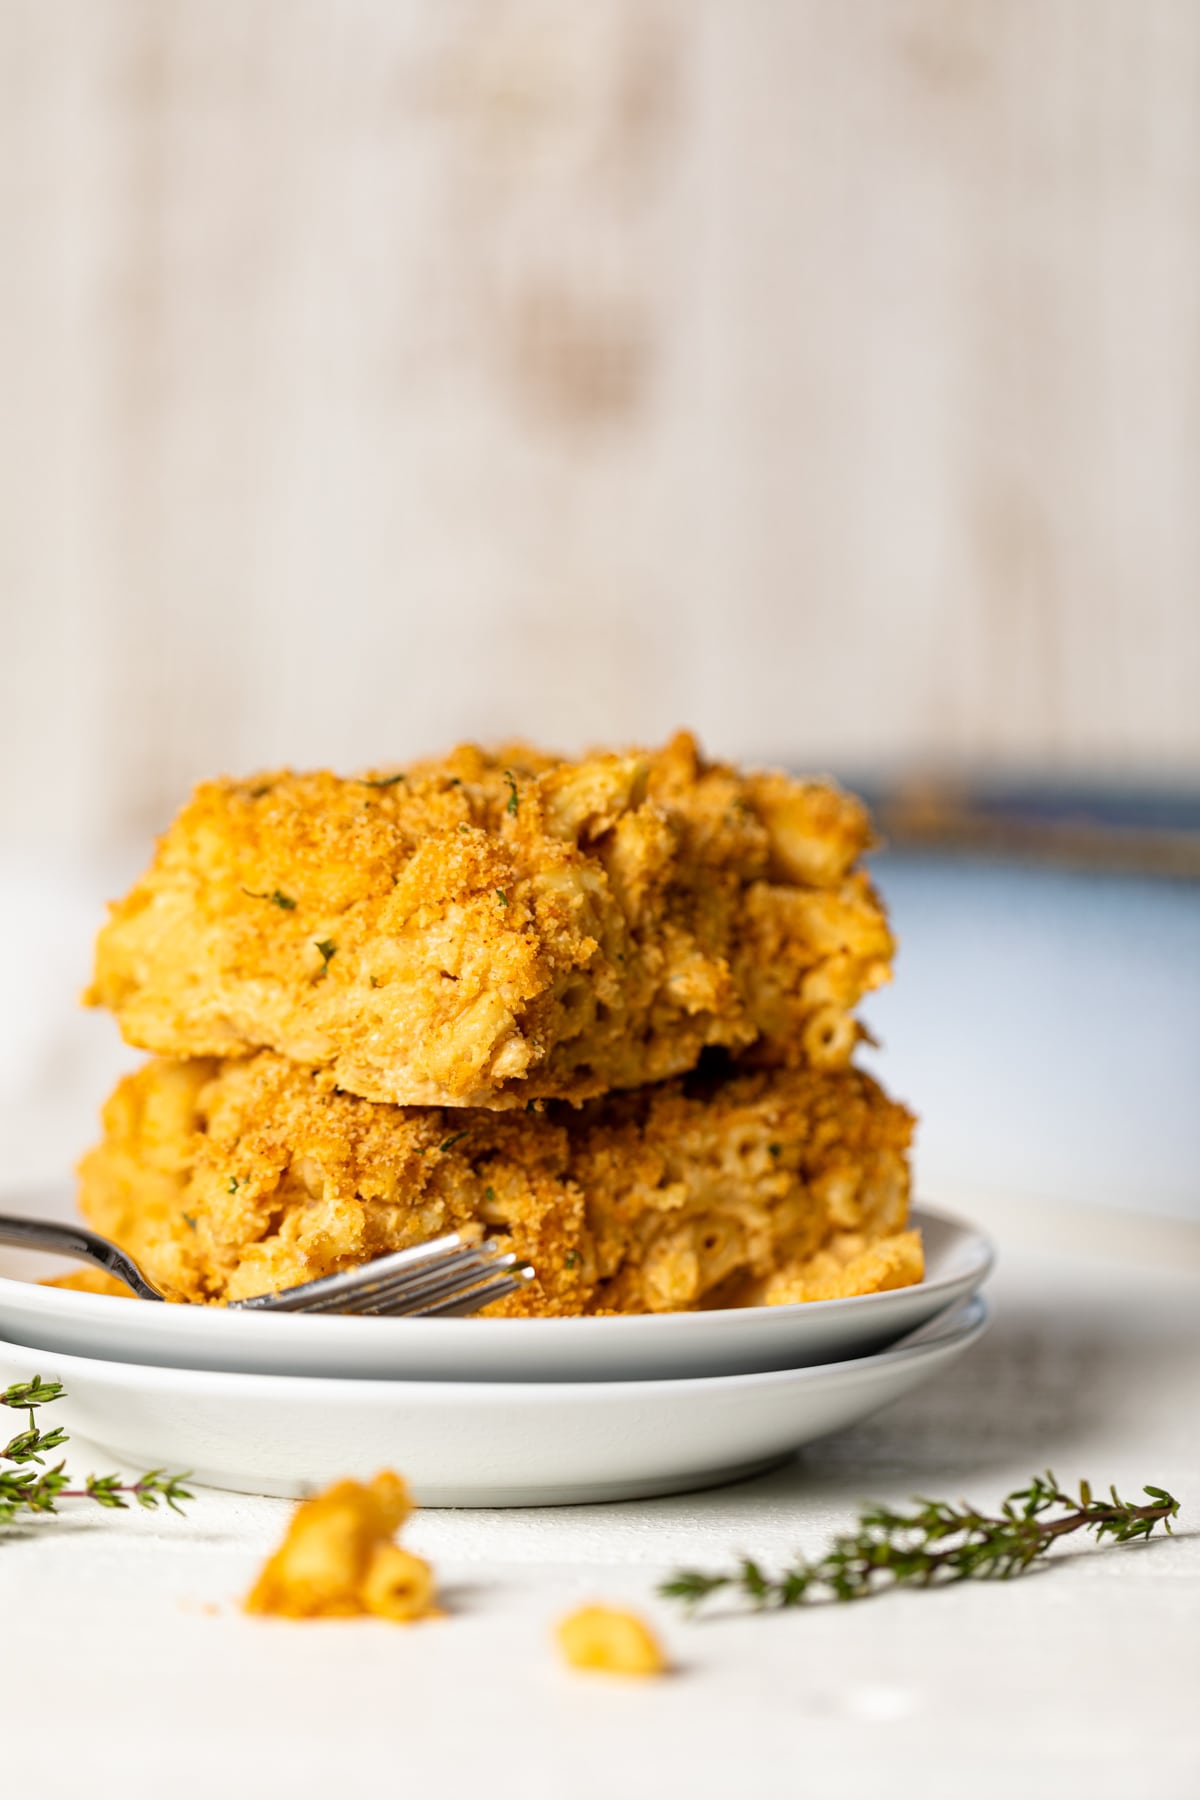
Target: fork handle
[79, 1242]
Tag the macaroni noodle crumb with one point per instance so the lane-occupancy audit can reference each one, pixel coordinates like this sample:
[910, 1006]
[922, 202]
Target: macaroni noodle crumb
[338, 1559]
[610, 1642]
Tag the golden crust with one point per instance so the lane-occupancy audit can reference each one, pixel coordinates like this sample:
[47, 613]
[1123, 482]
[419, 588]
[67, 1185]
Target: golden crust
[498, 927]
[226, 1179]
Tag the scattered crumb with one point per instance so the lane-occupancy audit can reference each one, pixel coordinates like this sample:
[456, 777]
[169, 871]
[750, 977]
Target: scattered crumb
[339, 1559]
[610, 1642]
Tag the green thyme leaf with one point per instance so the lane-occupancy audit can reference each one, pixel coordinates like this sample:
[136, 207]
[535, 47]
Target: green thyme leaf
[501, 896]
[27, 1486]
[511, 804]
[26, 1394]
[29, 1446]
[452, 1140]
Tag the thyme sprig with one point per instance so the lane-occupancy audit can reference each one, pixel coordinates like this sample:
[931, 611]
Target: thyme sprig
[938, 1541]
[28, 1486]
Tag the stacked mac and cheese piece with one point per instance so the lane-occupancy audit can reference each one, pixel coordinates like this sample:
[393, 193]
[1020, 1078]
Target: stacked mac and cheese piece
[605, 1007]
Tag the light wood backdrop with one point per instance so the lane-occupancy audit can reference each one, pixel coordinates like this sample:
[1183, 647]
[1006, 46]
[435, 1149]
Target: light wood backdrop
[375, 372]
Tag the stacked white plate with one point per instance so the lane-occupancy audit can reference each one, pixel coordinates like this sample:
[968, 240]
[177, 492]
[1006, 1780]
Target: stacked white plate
[484, 1412]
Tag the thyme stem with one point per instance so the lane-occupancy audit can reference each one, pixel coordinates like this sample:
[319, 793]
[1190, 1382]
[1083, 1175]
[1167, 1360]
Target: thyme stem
[939, 1541]
[28, 1486]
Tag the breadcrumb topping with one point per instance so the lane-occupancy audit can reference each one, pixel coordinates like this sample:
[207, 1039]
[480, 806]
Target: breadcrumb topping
[502, 926]
[226, 1179]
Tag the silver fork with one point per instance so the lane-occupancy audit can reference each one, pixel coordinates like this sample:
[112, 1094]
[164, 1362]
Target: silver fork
[448, 1276]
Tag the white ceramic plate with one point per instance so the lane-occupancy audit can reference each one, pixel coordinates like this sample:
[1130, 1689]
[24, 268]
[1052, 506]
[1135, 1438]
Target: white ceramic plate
[739, 1341]
[480, 1443]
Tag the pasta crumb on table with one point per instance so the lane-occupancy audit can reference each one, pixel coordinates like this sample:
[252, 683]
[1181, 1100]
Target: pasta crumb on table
[339, 1559]
[608, 1641]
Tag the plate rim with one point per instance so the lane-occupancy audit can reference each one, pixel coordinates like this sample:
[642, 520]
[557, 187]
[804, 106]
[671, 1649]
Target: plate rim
[719, 1319]
[961, 1323]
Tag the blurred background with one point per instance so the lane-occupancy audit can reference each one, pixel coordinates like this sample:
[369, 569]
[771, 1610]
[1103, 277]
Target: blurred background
[825, 377]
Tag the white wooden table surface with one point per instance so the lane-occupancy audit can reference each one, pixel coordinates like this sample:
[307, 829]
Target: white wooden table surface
[390, 371]
[126, 1665]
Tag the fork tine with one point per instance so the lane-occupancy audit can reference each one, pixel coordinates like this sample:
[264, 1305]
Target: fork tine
[450, 1277]
[311, 1296]
[462, 1300]
[456, 1273]
[473, 1302]
[357, 1296]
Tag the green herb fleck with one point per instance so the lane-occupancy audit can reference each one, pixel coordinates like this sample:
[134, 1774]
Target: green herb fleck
[452, 1140]
[373, 980]
[327, 950]
[570, 1259]
[385, 781]
[775, 1149]
[501, 896]
[489, 1193]
[283, 901]
[189, 1221]
[511, 803]
[234, 1185]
